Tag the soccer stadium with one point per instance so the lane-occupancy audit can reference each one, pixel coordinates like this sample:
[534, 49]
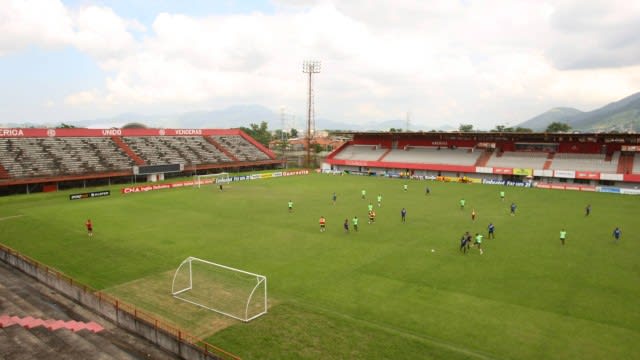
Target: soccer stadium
[197, 243]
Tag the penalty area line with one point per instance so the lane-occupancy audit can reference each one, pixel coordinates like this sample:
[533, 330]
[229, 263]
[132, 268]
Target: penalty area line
[10, 217]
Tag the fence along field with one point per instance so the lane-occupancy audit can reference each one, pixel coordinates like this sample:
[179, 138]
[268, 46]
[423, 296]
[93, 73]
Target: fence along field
[378, 293]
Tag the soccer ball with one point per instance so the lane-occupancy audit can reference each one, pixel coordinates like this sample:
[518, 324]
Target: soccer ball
[433, 250]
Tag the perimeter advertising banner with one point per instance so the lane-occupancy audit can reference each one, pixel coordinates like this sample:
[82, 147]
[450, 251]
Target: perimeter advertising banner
[523, 171]
[89, 195]
[145, 188]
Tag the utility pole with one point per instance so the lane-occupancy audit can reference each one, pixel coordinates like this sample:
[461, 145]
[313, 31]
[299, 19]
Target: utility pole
[310, 67]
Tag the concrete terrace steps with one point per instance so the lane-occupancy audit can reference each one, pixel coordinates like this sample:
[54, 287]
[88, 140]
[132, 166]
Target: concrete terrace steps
[51, 324]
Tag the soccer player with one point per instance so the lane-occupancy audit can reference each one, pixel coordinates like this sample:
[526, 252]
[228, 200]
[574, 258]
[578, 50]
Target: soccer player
[379, 200]
[587, 210]
[373, 214]
[89, 226]
[323, 222]
[346, 225]
[334, 198]
[502, 195]
[467, 236]
[370, 207]
[363, 194]
[371, 217]
[463, 243]
[616, 234]
[355, 223]
[405, 187]
[563, 236]
[290, 204]
[479, 242]
[513, 209]
[427, 191]
[492, 230]
[403, 214]
[473, 214]
[462, 202]
[220, 187]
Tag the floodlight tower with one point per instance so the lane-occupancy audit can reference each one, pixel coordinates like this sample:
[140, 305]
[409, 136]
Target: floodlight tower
[310, 67]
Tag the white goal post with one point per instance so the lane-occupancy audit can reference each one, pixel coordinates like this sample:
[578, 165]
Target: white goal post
[220, 178]
[229, 291]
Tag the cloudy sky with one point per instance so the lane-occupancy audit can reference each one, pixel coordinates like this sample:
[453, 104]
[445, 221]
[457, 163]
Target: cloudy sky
[451, 62]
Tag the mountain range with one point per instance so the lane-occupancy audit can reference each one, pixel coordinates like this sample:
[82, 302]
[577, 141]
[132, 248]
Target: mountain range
[621, 116]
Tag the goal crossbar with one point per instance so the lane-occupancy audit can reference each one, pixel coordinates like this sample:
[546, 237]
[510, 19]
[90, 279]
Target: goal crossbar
[215, 178]
[260, 280]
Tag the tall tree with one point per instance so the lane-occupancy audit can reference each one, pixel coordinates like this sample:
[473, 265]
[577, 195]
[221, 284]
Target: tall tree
[258, 132]
[465, 128]
[294, 133]
[556, 127]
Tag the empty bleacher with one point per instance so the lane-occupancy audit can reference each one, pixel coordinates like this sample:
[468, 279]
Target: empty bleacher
[361, 153]
[32, 157]
[242, 149]
[519, 159]
[585, 162]
[21, 296]
[636, 164]
[434, 155]
[188, 150]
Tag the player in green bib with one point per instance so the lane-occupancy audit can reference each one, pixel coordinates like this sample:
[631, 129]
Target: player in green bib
[462, 202]
[479, 242]
[379, 200]
[563, 236]
[502, 195]
[355, 223]
[290, 203]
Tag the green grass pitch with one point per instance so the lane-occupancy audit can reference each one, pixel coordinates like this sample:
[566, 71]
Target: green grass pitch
[379, 293]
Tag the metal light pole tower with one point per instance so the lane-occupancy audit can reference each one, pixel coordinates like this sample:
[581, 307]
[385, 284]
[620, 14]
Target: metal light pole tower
[310, 67]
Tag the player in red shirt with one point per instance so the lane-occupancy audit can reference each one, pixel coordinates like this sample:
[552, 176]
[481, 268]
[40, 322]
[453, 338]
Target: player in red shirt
[89, 226]
[323, 222]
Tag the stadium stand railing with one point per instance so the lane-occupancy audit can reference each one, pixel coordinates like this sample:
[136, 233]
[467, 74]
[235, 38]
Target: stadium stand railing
[484, 158]
[125, 315]
[361, 153]
[585, 162]
[222, 149]
[122, 145]
[434, 155]
[519, 159]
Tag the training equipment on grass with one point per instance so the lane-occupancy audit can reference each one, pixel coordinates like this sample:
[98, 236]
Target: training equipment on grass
[220, 178]
[232, 292]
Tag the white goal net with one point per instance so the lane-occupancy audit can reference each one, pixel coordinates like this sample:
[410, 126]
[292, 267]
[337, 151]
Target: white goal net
[221, 178]
[232, 292]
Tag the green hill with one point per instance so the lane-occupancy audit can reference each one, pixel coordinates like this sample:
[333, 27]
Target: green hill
[622, 115]
[559, 114]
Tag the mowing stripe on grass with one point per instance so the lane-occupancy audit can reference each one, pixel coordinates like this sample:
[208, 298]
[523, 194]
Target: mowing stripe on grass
[427, 339]
[11, 217]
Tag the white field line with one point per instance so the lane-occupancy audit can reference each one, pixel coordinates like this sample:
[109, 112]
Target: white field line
[10, 217]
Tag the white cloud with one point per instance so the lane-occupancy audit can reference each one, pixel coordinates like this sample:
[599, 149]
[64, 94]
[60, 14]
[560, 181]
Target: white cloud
[83, 98]
[489, 62]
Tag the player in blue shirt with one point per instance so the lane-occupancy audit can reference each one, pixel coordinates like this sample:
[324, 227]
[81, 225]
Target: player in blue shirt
[463, 242]
[403, 213]
[513, 209]
[616, 234]
[491, 229]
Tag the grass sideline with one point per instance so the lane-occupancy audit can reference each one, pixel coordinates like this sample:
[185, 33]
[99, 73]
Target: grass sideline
[378, 293]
